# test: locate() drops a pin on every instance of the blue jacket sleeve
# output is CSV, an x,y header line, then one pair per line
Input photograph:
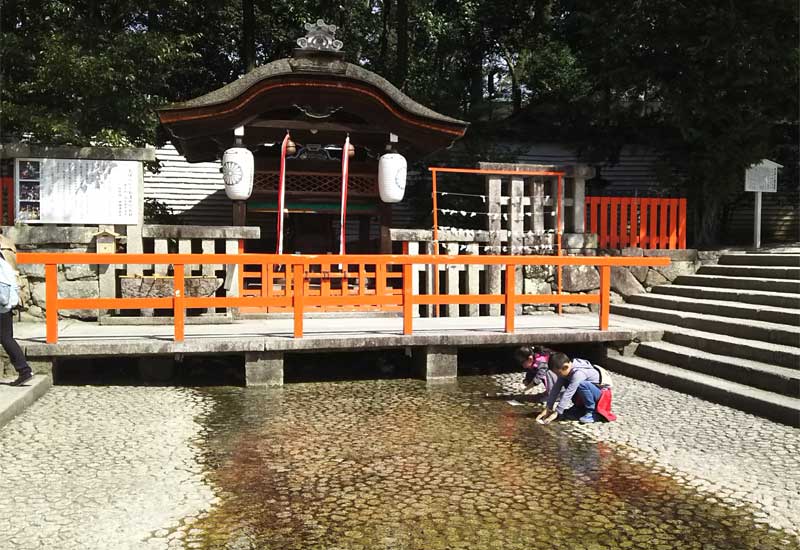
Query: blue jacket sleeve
x,y
574,381
554,391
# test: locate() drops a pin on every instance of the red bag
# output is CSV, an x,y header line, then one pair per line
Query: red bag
x,y
604,405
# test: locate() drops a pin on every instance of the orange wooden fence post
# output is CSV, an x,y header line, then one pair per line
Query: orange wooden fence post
x,y
51,298
297,299
605,295
682,224
510,295
614,228
408,298
654,243
624,235
643,213
179,310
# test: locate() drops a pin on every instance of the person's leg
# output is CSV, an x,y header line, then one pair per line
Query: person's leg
x,y
11,346
590,394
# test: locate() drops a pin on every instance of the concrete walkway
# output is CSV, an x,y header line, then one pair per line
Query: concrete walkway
x,y
15,399
78,338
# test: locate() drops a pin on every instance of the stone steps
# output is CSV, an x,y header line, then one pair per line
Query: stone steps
x,y
774,333
743,283
761,259
759,375
783,356
756,312
780,408
768,272
776,299
733,334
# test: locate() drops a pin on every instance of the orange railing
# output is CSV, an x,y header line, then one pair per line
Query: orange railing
x,y
651,223
297,273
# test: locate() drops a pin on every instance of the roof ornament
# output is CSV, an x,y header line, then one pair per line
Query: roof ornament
x,y
320,37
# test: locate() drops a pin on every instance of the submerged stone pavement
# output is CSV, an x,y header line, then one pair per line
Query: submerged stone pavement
x,y
390,464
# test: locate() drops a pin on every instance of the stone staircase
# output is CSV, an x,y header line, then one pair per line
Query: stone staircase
x,y
731,335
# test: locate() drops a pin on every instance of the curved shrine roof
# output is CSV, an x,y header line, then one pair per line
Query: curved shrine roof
x,y
319,98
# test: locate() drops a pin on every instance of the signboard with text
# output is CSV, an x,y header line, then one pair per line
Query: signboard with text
x,y
79,191
762,178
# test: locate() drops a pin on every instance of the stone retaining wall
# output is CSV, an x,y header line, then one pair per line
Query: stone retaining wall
x,y
87,281
625,281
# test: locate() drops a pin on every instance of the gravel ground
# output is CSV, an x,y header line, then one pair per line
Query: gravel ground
x,y
390,464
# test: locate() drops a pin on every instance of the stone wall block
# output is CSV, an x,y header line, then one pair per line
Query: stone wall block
x,y
573,240
591,240
677,268
31,270
654,278
78,272
38,293
624,283
540,272
163,287
536,286
681,255
632,251
639,271
579,278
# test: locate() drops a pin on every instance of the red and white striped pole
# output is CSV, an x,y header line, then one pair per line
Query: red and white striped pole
x,y
281,192
345,174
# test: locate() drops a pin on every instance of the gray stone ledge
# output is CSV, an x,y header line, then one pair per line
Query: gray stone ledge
x,y
200,232
27,150
220,345
44,234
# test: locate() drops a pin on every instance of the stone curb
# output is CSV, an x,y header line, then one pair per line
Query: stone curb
x,y
14,400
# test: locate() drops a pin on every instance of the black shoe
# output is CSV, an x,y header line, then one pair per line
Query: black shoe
x,y
22,378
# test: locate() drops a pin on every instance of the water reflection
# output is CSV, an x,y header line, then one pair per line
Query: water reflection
x,y
401,464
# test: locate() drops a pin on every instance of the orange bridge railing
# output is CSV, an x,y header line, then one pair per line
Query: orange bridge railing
x,y
651,223
389,282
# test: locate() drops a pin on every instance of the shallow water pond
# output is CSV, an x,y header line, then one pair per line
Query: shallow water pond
x,y
400,464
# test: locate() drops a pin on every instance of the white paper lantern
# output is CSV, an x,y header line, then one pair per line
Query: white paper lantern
x,y
392,177
237,173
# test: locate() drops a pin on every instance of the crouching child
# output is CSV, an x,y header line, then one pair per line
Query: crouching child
x,y
581,384
534,361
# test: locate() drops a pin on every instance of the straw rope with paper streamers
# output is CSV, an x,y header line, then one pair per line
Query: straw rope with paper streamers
x,y
345,174
282,192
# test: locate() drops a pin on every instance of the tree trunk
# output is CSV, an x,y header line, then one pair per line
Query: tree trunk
x,y
401,74
542,15
248,35
709,216
386,17
516,93
476,74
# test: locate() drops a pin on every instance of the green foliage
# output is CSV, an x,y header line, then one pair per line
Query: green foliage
x,y
157,212
713,85
86,72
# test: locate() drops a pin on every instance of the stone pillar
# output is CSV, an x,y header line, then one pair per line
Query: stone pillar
x,y
134,245
473,280
576,188
516,216
232,275
263,368
436,362
537,205
493,193
209,270
451,280
108,278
